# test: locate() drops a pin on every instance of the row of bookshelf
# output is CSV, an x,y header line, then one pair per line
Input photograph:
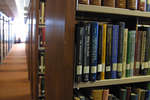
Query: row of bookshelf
x,y
142,5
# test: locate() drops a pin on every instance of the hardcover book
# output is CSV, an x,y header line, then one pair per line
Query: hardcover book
x,y
83,2
79,50
97,94
93,50
123,94
124,57
134,97
109,3
120,49
99,67
121,3
108,51
95,2
114,51
105,94
142,5
132,4
103,51
86,54
148,5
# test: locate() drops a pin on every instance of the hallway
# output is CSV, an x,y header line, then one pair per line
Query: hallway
x,y
14,83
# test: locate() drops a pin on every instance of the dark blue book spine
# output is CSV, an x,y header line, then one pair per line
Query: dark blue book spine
x,y
114,51
147,95
86,56
93,50
79,51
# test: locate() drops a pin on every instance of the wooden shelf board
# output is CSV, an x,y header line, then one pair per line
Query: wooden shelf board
x,y
110,10
135,79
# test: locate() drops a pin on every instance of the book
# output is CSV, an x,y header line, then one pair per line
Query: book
x,y
148,5
121,3
97,94
99,67
95,2
93,50
83,2
123,94
132,4
138,91
143,42
128,93
134,97
105,94
124,57
42,62
147,95
114,51
42,15
132,51
109,3
76,98
103,51
79,50
120,49
82,97
108,51
142,95
137,53
142,5
147,50
86,54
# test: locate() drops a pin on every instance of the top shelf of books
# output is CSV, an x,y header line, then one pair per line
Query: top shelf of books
x,y
111,10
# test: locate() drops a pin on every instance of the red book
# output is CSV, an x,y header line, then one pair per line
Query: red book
x,y
142,5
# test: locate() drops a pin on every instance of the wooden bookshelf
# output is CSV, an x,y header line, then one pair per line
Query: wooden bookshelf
x,y
110,10
135,79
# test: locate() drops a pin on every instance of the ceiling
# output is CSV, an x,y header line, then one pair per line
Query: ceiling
x,y
13,8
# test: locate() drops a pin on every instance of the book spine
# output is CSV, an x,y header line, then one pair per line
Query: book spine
x,y
120,49
142,5
114,50
147,95
137,53
83,2
105,94
121,3
42,12
128,55
108,52
124,57
132,4
103,51
97,94
142,95
93,50
143,69
147,52
133,34
148,6
109,3
99,67
95,2
134,97
123,94
79,51
86,50
128,93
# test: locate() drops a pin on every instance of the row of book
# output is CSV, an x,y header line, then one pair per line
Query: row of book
x,y
127,93
110,51
143,5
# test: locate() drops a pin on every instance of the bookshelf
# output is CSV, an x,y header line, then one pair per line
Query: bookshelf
x,y
108,82
60,23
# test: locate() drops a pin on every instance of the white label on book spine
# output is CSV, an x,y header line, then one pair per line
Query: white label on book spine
x,y
108,68
132,65
143,64
128,66
93,69
103,67
146,64
114,67
86,70
137,65
119,67
100,68
79,70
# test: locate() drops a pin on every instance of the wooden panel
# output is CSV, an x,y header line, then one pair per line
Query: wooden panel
x,y
135,79
59,49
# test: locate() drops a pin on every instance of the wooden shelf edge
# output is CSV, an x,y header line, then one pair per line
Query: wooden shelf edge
x,y
111,10
135,79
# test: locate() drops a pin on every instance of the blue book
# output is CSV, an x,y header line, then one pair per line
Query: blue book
x,y
93,50
147,95
114,51
148,6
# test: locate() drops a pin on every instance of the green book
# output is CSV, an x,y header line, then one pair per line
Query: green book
x,y
123,94
134,97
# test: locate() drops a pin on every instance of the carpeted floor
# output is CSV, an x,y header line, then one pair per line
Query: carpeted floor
x,y
14,83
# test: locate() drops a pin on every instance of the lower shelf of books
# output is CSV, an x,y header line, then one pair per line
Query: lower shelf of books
x,y
107,82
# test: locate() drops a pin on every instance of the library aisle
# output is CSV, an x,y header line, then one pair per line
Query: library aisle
x,y
14,83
